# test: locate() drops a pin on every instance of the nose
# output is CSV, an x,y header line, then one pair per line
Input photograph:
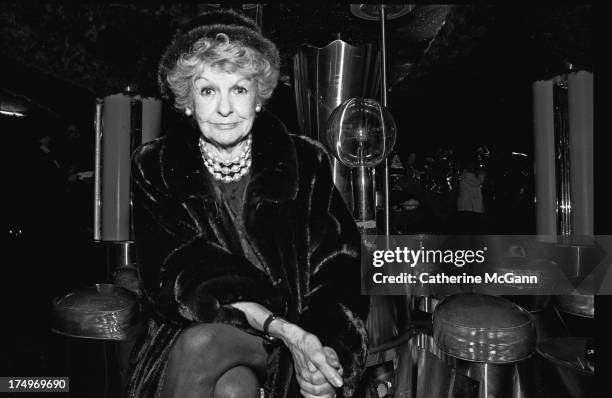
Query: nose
x,y
224,107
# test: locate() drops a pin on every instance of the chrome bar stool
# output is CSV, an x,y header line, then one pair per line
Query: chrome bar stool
x,y
488,339
103,321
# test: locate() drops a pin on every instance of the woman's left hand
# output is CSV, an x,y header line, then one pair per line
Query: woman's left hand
x,y
317,368
319,386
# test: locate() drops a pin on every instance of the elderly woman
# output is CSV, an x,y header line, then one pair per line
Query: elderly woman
x,y
247,255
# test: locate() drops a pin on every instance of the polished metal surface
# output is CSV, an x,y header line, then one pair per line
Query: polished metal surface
x,y
499,380
562,156
582,301
544,152
121,265
580,109
511,380
323,79
483,328
577,259
118,254
532,303
371,12
428,303
405,372
113,162
103,312
578,304
532,297
422,372
384,15
364,194
97,226
381,325
434,376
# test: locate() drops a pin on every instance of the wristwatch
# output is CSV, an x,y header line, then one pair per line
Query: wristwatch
x,y
266,326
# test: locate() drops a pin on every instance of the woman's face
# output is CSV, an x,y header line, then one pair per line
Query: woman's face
x,y
224,106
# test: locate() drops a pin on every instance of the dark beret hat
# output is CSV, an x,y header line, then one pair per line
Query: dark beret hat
x,y
236,26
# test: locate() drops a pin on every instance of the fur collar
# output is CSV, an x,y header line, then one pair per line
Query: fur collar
x,y
273,170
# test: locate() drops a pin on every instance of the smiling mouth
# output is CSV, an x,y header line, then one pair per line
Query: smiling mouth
x,y
226,126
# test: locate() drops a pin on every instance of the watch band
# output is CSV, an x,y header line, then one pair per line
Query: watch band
x,y
266,324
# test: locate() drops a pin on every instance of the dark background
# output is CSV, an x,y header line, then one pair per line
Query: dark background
x,y
458,75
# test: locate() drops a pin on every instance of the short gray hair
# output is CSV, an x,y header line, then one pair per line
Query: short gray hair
x,y
229,55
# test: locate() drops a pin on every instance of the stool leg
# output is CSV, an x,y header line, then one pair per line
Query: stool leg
x,y
405,386
112,369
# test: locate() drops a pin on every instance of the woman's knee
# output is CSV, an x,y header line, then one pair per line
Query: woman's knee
x,y
238,382
198,339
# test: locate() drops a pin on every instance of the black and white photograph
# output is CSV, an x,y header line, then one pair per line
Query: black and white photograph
x,y
317,200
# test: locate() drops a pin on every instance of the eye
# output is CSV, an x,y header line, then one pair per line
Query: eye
x,y
241,90
206,91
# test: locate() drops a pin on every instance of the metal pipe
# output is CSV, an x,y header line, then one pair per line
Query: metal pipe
x,y
98,171
562,159
383,52
364,211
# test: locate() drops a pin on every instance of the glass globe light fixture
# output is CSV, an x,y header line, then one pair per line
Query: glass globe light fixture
x,y
361,134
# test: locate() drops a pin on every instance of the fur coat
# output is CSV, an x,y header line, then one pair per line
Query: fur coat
x,y
191,265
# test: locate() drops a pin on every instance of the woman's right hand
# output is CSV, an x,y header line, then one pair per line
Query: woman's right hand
x,y
317,368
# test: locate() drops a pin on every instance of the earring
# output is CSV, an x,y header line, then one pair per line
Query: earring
x,y
188,112
258,108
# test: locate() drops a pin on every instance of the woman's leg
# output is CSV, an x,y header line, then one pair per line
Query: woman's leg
x,y
238,382
204,353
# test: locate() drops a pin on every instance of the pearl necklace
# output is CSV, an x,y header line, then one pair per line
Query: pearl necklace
x,y
227,170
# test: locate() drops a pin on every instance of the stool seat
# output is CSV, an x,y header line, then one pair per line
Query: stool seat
x,y
483,328
102,311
